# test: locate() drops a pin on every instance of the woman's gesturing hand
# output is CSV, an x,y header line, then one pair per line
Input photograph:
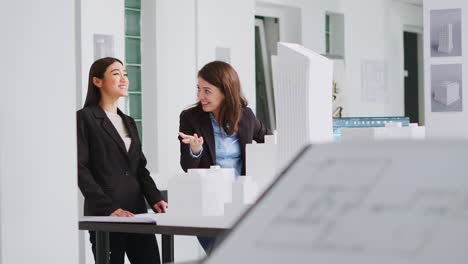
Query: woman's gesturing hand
x,y
194,141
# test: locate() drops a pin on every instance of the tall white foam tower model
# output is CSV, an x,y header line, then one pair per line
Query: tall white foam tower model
x,y
303,99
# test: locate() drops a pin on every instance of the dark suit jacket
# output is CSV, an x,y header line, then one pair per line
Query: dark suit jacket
x,y
108,176
195,120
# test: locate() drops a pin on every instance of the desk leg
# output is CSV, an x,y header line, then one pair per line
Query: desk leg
x,y
102,247
167,248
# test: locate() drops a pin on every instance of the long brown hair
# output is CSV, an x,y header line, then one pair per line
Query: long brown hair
x,y
98,68
223,76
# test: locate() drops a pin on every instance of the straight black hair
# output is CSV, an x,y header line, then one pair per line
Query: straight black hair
x,y
98,68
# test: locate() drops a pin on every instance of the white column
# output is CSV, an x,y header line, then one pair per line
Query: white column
x,y
38,177
169,86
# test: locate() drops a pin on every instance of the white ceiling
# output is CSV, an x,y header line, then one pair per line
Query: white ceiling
x,y
413,2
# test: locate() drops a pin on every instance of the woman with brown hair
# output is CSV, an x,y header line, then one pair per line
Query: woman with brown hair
x,y
216,130
112,172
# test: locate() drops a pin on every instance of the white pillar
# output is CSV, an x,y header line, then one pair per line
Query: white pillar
x,y
38,177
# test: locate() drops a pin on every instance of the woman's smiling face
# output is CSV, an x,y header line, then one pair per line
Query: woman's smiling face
x,y
210,96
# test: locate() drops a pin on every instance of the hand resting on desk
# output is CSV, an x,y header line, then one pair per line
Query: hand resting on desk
x,y
122,213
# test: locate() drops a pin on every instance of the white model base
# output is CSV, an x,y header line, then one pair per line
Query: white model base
x,y
413,131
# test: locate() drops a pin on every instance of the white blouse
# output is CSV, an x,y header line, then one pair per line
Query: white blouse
x,y
120,127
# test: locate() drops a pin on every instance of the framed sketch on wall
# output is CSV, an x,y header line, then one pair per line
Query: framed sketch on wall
x,y
446,88
446,37
103,46
374,81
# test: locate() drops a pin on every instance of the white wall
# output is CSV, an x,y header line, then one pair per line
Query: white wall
x,y
312,20
229,24
100,17
364,40
373,32
174,71
38,201
445,124
289,17
175,79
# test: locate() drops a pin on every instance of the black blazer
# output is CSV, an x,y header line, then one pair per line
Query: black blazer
x,y
108,176
195,120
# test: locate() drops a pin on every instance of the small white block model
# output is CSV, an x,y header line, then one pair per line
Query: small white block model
x,y
244,193
391,131
393,124
446,39
261,162
447,92
417,132
244,190
201,192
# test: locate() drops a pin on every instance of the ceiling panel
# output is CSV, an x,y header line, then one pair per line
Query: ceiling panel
x,y
412,2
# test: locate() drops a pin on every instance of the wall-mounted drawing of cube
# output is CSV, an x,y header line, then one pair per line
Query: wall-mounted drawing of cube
x,y
446,39
447,92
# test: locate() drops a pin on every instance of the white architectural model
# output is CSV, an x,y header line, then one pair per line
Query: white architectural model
x,y
446,39
392,130
447,92
261,162
201,192
244,193
208,197
303,96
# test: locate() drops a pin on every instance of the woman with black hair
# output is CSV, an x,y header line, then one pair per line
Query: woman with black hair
x,y
112,172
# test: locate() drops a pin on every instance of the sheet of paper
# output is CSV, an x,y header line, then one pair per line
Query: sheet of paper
x,y
138,218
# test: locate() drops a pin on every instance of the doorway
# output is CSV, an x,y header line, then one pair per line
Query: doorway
x,y
413,70
266,39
